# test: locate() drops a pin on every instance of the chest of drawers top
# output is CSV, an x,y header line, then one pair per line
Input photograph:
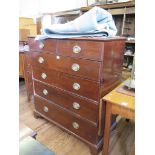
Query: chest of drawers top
x,y
86,48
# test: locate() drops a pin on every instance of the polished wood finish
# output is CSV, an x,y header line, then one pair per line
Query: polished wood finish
x,y
66,82
88,110
49,46
99,70
88,69
60,142
64,119
123,14
116,103
124,112
107,129
112,62
89,50
120,99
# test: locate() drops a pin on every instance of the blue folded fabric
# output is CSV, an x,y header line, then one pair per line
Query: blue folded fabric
x,y
97,22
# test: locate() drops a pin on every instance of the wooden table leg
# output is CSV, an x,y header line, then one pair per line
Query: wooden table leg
x,y
107,129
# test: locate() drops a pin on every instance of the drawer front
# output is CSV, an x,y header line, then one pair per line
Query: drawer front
x,y
79,67
86,88
81,107
48,45
82,49
65,119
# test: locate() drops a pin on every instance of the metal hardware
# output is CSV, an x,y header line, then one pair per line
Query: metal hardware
x,y
41,60
45,109
41,45
76,86
76,105
76,49
75,67
57,57
45,92
75,125
43,75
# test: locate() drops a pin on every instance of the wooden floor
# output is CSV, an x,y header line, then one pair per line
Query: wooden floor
x,y
122,138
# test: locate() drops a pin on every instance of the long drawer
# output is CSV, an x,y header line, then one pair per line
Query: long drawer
x,y
65,119
79,67
81,107
81,49
83,87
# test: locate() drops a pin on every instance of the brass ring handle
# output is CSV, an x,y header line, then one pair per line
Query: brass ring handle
x,y
57,57
75,125
41,45
41,60
76,105
45,109
76,49
43,75
45,92
75,67
76,86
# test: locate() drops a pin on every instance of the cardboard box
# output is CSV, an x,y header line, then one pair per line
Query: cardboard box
x,y
28,23
23,34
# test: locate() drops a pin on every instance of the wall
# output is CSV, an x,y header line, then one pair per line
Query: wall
x,y
33,8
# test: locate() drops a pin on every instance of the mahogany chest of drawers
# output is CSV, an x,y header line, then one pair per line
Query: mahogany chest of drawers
x,y
70,77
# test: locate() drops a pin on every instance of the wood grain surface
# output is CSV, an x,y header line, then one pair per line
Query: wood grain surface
x,y
121,141
66,81
87,110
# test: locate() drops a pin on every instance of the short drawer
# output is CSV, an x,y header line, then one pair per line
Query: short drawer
x,y
82,49
83,87
48,45
79,67
84,108
65,119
